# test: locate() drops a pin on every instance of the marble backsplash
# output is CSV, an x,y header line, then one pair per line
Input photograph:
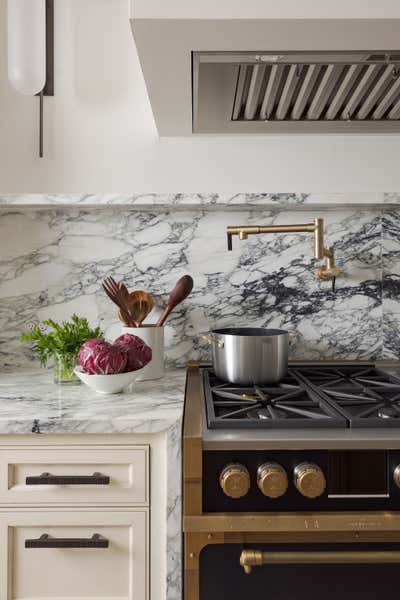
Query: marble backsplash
x,y
52,262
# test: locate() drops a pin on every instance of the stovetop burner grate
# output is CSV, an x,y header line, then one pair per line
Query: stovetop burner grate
x,y
366,397
308,397
287,404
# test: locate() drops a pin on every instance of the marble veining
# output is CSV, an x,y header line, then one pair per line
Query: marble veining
x,y
200,200
30,400
391,282
31,404
52,263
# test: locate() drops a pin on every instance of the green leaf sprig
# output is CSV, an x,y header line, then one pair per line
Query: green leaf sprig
x,y
65,338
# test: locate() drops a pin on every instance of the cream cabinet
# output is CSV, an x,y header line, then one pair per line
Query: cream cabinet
x,y
75,520
75,475
74,555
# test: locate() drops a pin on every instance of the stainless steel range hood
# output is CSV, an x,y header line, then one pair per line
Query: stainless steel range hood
x,y
306,76
288,92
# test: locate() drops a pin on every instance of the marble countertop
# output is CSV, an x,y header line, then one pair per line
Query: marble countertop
x,y
31,403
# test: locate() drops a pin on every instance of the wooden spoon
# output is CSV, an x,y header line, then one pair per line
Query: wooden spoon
x,y
140,305
181,291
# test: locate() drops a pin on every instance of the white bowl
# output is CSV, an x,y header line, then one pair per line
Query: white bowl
x,y
107,384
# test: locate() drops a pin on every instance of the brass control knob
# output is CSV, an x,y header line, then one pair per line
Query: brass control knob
x,y
309,480
272,479
396,476
234,480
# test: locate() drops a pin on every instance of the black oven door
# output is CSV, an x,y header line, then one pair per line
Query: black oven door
x,y
299,572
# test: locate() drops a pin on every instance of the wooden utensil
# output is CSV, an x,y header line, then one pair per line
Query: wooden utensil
x,y
140,306
111,288
127,322
124,292
181,291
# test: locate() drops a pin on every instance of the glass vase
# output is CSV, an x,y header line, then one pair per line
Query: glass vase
x,y
64,365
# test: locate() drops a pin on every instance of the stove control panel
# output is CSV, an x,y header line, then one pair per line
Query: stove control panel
x,y
300,480
309,480
272,479
234,480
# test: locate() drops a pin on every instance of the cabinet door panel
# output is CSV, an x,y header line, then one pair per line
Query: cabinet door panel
x,y
115,570
76,475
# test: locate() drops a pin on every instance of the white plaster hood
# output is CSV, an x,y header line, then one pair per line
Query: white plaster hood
x,y
259,68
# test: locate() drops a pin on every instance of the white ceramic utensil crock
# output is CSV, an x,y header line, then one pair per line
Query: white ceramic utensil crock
x,y
154,337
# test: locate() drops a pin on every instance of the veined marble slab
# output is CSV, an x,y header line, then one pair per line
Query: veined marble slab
x,y
29,400
52,263
201,200
31,403
391,282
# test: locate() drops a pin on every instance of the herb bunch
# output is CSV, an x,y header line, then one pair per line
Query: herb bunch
x,y
65,338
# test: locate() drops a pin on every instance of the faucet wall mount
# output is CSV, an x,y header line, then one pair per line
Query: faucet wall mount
x,y
327,272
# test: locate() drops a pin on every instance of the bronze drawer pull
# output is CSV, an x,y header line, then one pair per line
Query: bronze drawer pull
x,y
47,541
48,479
257,558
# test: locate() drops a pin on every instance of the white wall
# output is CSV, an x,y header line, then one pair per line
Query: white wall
x,y
268,9
101,137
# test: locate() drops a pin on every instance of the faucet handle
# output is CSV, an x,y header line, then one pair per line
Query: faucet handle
x,y
329,270
327,274
229,240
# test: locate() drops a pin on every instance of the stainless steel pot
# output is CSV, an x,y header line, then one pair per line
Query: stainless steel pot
x,y
249,355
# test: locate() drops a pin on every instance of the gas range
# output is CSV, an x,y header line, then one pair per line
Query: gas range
x,y
292,478
309,396
326,437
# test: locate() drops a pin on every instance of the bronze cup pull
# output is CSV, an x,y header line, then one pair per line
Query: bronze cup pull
x,y
257,558
47,541
49,479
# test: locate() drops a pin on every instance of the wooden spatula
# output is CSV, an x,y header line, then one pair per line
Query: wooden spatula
x,y
181,291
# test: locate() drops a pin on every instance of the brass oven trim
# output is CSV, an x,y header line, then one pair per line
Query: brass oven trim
x,y
195,542
295,523
192,465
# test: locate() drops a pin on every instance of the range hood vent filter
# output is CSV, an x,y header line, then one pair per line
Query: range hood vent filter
x,y
317,92
310,92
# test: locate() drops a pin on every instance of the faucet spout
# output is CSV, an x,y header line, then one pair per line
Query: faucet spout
x,y
327,272
319,238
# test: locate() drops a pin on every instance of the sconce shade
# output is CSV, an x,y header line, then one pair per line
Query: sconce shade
x,y
26,20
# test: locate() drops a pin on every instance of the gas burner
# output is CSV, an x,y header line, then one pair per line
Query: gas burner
x,y
388,412
287,404
320,396
365,396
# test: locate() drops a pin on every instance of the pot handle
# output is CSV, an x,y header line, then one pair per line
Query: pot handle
x,y
210,338
294,334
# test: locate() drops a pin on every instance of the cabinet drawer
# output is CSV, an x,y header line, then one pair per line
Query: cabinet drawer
x,y
74,475
46,555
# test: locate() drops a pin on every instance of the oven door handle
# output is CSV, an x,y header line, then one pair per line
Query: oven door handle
x,y
257,558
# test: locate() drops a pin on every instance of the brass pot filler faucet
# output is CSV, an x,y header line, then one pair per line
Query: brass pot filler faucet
x,y
327,272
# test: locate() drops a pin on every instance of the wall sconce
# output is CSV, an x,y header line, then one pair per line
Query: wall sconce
x,y
30,32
